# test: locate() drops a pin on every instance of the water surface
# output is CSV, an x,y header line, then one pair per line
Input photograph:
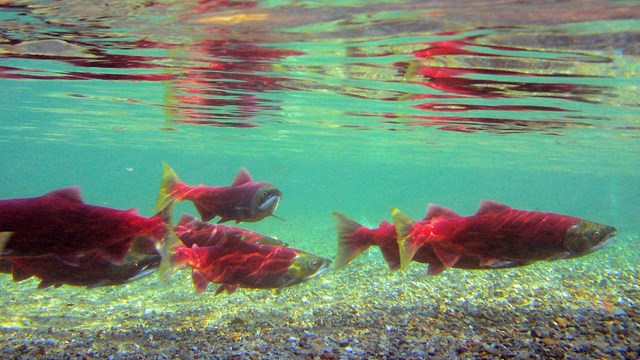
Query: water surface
x,y
355,107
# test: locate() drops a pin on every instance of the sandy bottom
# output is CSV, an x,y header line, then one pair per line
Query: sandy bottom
x,y
581,308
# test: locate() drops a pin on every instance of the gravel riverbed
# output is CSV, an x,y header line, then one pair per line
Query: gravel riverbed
x,y
578,309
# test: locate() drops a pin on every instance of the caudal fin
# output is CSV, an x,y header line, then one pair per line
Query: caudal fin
x,y
349,246
406,243
166,196
167,249
170,241
174,255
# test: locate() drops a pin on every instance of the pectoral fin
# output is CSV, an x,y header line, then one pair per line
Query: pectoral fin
x,y
5,236
491,262
19,273
560,256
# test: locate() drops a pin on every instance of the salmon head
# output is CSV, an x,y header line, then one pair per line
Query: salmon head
x,y
586,237
306,266
264,203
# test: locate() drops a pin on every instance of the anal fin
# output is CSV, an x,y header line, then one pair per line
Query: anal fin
x,y
448,258
199,281
435,268
230,288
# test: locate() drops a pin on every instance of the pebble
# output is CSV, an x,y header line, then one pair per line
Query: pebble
x,y
619,312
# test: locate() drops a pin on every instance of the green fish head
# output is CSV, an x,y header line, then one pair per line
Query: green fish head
x,y
306,266
265,201
586,237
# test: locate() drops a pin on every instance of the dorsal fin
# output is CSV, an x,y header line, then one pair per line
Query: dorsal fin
x,y
489,206
437,211
133,211
71,193
185,219
243,177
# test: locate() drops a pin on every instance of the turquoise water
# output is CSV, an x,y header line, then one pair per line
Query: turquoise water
x,y
355,107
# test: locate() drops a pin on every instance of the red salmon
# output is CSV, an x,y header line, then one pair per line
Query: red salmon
x,y
353,238
61,224
193,231
245,200
235,263
498,233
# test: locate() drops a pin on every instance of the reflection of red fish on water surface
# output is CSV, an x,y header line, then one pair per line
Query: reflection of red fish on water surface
x,y
354,238
235,263
223,86
498,233
89,270
61,224
245,200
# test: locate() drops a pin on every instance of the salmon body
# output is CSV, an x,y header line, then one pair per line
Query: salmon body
x,y
60,223
90,270
195,232
498,233
233,262
353,238
245,200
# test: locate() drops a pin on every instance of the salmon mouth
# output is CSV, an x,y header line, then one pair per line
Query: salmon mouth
x,y
604,242
321,270
270,204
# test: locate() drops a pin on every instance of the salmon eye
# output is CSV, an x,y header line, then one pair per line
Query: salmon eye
x,y
314,264
596,234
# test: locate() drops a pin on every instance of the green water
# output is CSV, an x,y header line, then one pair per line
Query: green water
x,y
350,107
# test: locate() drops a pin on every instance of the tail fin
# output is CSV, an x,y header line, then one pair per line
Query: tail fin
x,y
170,242
349,246
166,195
168,264
167,250
407,246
